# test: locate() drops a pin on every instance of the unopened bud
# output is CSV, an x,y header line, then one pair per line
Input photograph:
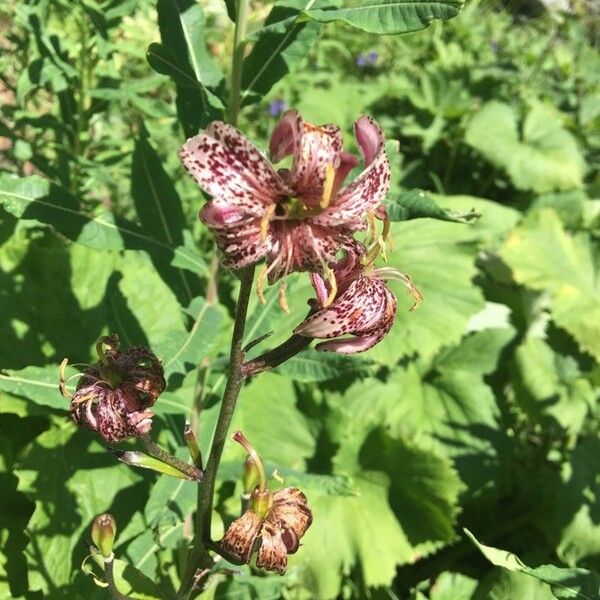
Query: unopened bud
x,y
251,476
104,530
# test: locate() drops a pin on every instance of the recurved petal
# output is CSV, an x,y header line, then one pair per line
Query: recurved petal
x,y
290,510
240,536
367,339
112,419
316,150
228,167
272,554
367,192
361,307
240,240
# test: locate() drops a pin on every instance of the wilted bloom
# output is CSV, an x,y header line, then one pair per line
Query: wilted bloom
x,y
114,395
363,305
296,218
277,107
273,523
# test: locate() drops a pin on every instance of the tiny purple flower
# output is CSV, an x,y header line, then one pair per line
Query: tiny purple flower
x,y
361,61
372,57
277,107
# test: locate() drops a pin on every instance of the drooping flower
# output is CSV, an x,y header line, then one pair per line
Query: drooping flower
x,y
296,218
114,395
363,305
273,523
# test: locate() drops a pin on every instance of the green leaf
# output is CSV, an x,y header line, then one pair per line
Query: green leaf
x,y
543,256
553,388
453,586
508,585
565,583
34,198
39,384
545,158
311,365
439,257
275,53
183,351
387,523
389,16
135,584
417,204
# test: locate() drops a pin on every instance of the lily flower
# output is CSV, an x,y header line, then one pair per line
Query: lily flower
x,y
362,306
114,395
273,523
296,218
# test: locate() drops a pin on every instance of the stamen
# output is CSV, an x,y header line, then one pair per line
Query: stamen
x,y
266,219
333,285
390,273
282,297
239,437
62,380
372,229
327,186
276,476
260,283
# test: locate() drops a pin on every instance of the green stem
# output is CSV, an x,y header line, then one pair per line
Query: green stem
x,y
109,577
198,557
239,45
157,452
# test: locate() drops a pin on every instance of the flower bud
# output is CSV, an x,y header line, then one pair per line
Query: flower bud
x,y
104,530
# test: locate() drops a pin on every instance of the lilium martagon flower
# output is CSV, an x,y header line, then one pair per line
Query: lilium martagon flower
x,y
361,305
114,396
272,524
296,219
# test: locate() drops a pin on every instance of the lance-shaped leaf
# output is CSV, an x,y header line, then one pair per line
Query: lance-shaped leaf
x,y
36,199
139,459
417,204
389,16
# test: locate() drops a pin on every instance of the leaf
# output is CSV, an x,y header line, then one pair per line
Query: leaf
x,y
417,204
311,365
72,480
275,53
183,351
34,198
500,584
387,523
546,158
543,256
553,388
565,583
135,584
389,16
453,586
439,257
39,384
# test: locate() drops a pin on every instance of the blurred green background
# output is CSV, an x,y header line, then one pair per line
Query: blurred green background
x,y
478,410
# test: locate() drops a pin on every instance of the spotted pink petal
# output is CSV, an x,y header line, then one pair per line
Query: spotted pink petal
x,y
238,236
351,345
313,147
361,307
367,192
233,171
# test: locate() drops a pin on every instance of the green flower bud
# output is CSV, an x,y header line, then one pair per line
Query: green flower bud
x,y
104,530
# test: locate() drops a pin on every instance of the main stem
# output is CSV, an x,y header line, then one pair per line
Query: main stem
x,y
199,557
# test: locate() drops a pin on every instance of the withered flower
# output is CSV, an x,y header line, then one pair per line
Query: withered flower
x,y
273,523
114,395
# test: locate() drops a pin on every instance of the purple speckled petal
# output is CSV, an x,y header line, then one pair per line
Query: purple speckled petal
x,y
229,168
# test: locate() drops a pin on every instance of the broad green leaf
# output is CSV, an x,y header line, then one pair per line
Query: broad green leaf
x,y
34,198
389,16
39,384
568,517
417,204
311,365
274,54
509,585
72,480
387,522
553,387
439,257
182,351
564,582
543,256
135,584
452,586
544,158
